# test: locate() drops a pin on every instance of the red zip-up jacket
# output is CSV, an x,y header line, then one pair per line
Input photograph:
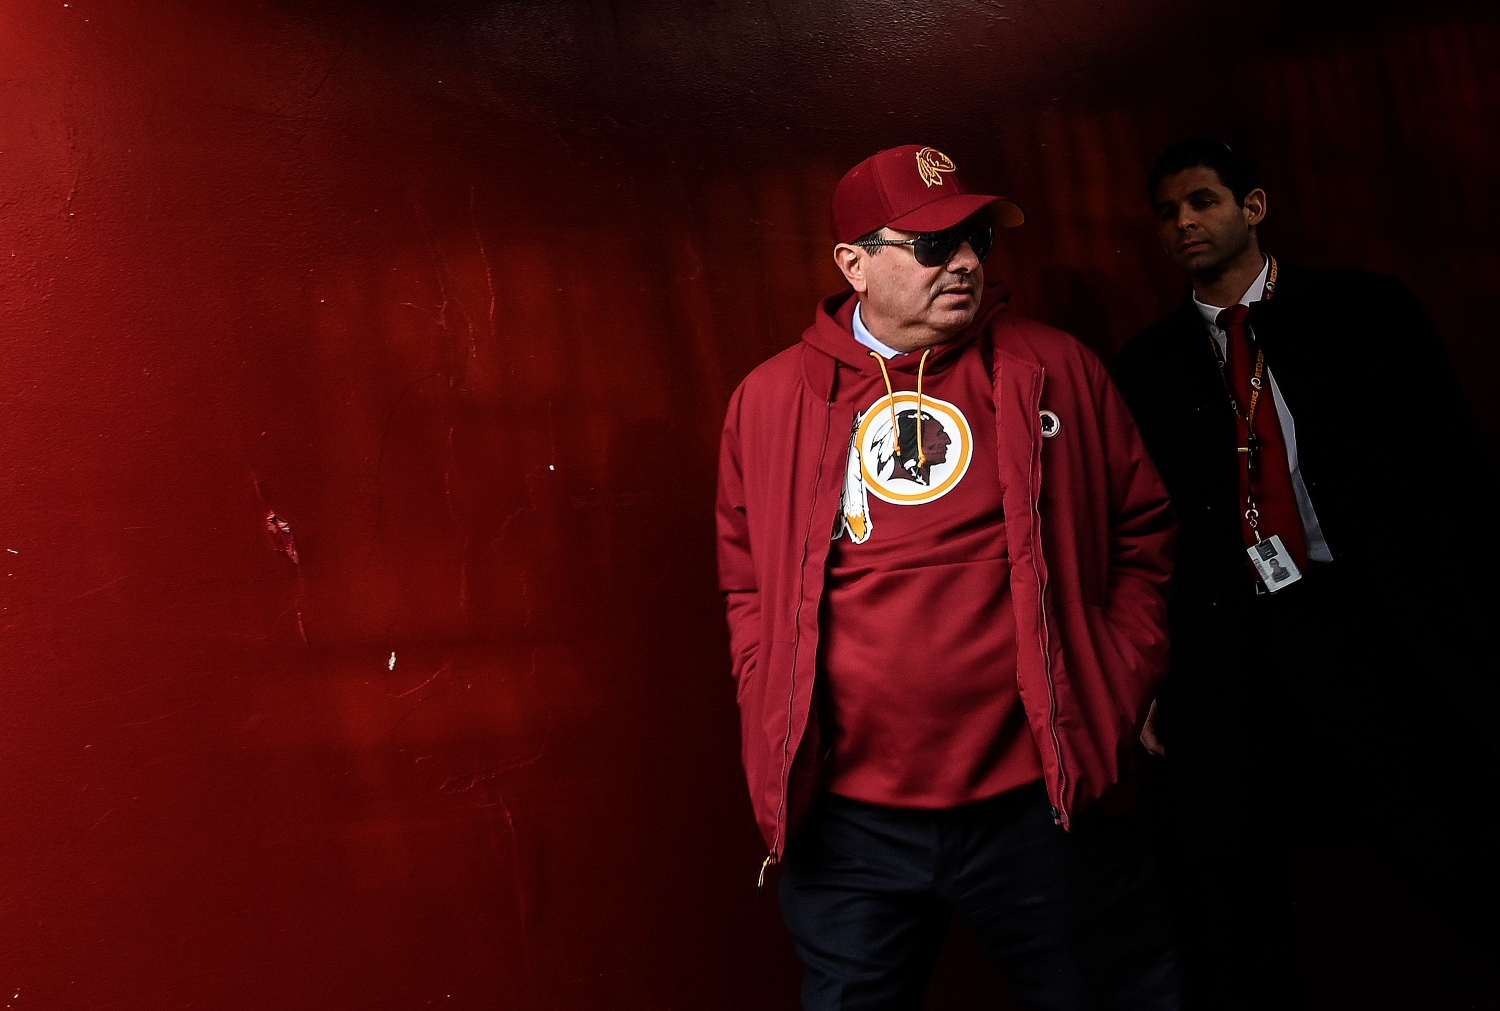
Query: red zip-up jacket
x,y
1088,527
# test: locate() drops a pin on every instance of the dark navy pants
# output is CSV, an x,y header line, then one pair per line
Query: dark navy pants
x,y
1073,919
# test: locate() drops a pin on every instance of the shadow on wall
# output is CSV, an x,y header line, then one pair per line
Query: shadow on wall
x,y
1075,301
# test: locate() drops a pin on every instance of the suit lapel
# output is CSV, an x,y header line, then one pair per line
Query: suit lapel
x,y
1288,327
1193,348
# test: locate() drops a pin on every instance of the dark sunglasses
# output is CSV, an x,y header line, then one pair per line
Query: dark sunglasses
x,y
935,249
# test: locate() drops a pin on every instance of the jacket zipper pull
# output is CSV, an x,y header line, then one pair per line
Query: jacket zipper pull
x,y
760,882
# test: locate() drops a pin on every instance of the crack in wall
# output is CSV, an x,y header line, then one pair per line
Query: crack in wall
x,y
489,274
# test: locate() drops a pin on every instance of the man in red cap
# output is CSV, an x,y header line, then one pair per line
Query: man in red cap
x,y
943,551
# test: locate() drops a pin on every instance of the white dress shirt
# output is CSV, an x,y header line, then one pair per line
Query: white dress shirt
x,y
1312,532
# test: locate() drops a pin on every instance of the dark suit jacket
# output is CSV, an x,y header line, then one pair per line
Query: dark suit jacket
x,y
1395,468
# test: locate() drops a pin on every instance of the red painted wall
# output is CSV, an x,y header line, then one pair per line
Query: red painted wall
x,y
362,374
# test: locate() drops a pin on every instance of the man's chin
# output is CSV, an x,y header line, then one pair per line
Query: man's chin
x,y
1208,265
952,322
1199,263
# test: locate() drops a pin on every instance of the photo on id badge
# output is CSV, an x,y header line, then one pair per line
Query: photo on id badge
x,y
1272,563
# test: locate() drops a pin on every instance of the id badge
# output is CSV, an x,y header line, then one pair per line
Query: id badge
x,y
1272,563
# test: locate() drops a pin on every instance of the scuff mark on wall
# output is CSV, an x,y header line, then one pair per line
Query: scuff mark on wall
x,y
435,255
281,533
158,719
284,540
435,674
489,273
469,781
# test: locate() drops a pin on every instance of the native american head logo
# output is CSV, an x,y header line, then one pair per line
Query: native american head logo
x,y
931,460
898,456
932,163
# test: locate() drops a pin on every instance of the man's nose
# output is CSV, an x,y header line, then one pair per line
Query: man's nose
x,y
963,260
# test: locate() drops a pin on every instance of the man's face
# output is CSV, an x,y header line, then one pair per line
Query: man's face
x,y
908,297
935,441
1201,226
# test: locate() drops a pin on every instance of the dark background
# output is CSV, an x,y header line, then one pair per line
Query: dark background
x,y
457,293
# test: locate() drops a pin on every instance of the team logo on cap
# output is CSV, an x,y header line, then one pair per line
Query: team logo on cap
x,y
888,459
932,163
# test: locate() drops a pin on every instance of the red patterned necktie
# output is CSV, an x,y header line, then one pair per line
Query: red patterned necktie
x,y
1266,472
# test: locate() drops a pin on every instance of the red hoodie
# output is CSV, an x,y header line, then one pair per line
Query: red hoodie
x,y
1088,533
918,666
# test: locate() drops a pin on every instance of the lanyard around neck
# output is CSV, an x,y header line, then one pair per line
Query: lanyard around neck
x,y
1257,378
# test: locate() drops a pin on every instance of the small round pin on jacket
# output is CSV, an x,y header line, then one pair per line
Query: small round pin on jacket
x,y
1051,424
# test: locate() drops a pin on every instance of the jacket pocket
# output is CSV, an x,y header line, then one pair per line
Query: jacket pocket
x,y
1122,668
745,673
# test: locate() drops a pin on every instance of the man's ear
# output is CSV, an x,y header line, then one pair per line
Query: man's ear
x,y
851,263
1255,207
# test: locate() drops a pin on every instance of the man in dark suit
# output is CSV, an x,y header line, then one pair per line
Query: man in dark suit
x,y
1333,676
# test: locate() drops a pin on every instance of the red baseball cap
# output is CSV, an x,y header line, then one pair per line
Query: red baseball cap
x,y
913,188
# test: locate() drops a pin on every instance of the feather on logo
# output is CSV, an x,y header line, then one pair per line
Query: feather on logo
x,y
932,163
854,507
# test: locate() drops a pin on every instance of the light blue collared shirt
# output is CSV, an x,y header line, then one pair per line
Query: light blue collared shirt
x,y
864,336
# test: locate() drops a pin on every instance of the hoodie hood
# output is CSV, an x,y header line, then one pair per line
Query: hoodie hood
x,y
832,333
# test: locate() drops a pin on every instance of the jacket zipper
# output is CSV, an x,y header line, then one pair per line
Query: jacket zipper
x,y
1059,813
791,704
